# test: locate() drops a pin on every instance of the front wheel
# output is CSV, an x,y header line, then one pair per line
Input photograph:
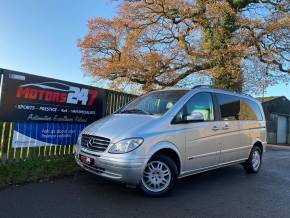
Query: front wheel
x,y
253,164
159,176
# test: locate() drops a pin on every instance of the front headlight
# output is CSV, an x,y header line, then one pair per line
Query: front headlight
x,y
126,145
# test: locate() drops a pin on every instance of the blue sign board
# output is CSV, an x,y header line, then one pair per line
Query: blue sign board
x,y
45,134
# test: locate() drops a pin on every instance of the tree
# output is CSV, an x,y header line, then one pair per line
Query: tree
x,y
159,43
259,77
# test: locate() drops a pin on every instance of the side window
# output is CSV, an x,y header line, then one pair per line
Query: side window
x,y
235,108
202,103
229,106
250,110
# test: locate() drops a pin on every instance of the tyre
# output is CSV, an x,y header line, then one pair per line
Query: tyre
x,y
253,164
159,177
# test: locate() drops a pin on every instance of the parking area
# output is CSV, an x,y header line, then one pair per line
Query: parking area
x,y
227,192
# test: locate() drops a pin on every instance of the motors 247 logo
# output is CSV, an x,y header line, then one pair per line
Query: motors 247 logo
x,y
55,92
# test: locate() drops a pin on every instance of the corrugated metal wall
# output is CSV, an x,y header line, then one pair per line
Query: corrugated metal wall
x,y
274,108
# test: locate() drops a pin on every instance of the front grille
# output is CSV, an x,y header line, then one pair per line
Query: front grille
x,y
95,143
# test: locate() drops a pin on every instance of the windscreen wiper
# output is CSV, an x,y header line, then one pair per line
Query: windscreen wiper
x,y
135,111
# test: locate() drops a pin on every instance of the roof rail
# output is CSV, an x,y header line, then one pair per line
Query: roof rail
x,y
201,86
209,86
246,94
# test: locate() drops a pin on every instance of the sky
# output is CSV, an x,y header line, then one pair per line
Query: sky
x,y
40,37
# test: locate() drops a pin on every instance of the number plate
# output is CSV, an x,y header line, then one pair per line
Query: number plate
x,y
87,160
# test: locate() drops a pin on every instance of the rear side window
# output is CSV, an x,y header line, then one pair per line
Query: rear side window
x,y
236,108
250,110
229,107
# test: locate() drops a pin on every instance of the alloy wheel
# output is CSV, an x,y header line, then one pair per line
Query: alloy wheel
x,y
156,176
256,160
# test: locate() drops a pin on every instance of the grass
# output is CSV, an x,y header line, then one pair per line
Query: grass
x,y
22,171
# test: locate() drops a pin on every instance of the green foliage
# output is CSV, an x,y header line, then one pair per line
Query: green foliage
x,y
17,172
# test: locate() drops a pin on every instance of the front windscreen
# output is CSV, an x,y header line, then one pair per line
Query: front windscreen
x,y
155,103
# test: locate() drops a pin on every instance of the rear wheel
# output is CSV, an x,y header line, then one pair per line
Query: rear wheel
x,y
159,176
253,164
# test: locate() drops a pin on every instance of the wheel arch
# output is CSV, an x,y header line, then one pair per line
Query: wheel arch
x,y
259,144
169,150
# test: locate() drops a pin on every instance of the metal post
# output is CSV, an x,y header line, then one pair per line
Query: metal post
x,y
1,85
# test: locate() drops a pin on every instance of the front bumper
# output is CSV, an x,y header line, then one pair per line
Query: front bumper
x,y
123,170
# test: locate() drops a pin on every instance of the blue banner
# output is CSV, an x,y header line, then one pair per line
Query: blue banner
x,y
45,134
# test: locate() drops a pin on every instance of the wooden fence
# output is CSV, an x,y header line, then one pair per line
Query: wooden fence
x,y
115,100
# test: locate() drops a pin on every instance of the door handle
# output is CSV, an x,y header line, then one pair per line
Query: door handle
x,y
215,128
226,126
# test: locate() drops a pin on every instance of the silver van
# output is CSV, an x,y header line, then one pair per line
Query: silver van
x,y
165,135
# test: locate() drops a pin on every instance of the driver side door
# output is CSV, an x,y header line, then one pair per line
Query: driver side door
x,y
202,137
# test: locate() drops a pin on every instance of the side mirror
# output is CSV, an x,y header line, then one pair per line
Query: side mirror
x,y
195,116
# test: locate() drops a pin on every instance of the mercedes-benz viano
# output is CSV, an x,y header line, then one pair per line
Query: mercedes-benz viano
x,y
165,135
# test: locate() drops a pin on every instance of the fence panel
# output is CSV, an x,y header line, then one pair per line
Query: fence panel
x,y
115,100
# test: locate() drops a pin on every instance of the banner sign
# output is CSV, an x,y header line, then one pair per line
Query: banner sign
x,y
45,134
30,98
